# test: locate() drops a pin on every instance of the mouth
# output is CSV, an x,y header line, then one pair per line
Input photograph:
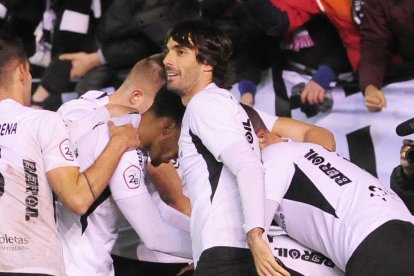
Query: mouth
x,y
171,73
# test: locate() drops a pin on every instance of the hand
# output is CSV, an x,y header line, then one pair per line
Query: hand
x,y
117,110
313,93
82,63
247,98
185,269
407,167
126,136
263,258
374,99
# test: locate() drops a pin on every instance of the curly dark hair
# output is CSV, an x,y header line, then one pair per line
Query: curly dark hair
x,y
212,47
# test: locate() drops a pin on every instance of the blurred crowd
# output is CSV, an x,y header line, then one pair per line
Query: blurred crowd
x,y
81,45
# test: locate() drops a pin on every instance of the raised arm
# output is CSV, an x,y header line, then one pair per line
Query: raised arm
x,y
79,190
304,132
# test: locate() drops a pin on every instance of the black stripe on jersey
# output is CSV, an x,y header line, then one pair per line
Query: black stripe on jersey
x,y
303,190
361,149
213,166
103,95
84,219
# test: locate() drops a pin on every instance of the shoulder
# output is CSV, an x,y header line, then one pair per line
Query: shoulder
x,y
211,98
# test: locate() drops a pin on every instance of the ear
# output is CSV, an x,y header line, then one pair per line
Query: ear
x,y
261,134
136,96
169,127
207,67
21,71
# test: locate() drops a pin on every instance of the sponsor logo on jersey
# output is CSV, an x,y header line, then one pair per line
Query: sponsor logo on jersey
x,y
305,255
132,177
381,193
32,189
13,243
327,168
248,134
8,129
66,150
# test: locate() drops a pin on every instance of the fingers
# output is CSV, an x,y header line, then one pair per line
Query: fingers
x,y
247,99
278,268
126,135
68,56
374,99
313,93
272,268
375,104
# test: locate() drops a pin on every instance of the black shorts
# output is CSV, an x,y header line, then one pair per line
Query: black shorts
x,y
125,267
229,261
388,250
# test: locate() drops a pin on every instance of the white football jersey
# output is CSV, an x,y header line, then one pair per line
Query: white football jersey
x,y
88,239
213,120
298,257
326,202
32,142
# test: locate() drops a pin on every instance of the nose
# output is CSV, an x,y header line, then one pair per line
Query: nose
x,y
167,59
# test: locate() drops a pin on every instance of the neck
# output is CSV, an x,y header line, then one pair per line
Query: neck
x,y
270,139
6,94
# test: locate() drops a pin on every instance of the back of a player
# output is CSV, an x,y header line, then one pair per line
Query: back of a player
x,y
32,142
329,204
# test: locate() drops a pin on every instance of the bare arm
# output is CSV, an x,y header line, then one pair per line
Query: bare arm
x,y
304,132
72,187
168,184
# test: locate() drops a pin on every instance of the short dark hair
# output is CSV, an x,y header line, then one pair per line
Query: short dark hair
x,y
167,104
11,49
212,47
255,118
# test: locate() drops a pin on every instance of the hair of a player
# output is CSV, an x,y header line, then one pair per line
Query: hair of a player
x,y
149,70
255,118
11,49
212,47
169,105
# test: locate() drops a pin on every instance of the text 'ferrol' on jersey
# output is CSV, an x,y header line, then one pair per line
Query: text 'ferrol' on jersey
x,y
248,127
327,168
32,189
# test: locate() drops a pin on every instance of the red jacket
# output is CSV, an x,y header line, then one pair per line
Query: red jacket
x,y
338,12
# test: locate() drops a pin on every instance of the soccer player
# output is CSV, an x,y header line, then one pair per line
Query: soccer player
x,y
35,160
329,204
88,240
219,155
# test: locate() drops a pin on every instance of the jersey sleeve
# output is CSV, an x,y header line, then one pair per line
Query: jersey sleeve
x,y
55,143
213,120
128,178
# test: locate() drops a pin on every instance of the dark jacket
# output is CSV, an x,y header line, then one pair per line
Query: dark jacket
x,y
403,187
132,30
387,28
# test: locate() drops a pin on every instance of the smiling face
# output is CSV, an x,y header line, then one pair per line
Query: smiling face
x,y
185,75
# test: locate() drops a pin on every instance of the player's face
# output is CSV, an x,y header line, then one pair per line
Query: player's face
x,y
165,149
184,73
159,136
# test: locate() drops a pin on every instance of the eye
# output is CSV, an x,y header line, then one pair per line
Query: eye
x,y
181,52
